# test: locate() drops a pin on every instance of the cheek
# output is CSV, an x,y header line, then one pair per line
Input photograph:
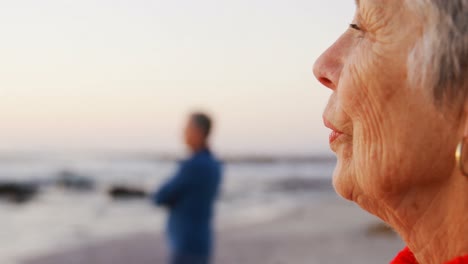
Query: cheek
x,y
398,138
372,96
399,141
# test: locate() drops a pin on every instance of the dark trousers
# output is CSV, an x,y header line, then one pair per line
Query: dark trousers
x,y
188,259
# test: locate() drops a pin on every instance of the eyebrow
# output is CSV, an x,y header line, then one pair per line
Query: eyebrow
x,y
358,2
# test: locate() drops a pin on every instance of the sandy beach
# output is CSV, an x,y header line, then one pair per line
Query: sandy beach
x,y
330,232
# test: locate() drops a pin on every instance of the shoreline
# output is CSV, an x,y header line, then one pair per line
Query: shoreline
x,y
329,232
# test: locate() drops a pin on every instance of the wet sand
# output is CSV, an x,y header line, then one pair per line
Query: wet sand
x,y
334,232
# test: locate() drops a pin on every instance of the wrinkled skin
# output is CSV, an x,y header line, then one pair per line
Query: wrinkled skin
x,y
397,146
395,137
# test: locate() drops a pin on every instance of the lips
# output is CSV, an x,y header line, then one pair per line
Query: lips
x,y
335,134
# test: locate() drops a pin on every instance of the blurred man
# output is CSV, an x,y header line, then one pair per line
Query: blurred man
x,y
190,196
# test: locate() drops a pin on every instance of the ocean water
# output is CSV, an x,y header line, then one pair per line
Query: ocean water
x,y
60,218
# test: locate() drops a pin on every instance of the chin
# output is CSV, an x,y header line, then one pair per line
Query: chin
x,y
344,177
346,184
344,181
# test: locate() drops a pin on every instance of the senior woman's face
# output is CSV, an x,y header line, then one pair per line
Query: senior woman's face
x,y
388,134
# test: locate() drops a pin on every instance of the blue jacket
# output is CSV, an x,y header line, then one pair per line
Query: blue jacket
x,y
190,196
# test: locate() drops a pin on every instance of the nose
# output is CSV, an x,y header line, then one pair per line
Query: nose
x,y
327,68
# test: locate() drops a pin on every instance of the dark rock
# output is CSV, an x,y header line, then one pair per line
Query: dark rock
x,y
17,192
124,192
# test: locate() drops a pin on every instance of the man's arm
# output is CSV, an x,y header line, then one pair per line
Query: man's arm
x,y
176,187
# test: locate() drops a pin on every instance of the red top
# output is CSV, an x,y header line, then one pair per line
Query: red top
x,y
407,257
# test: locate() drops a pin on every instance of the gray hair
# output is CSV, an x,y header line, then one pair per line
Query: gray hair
x,y
440,59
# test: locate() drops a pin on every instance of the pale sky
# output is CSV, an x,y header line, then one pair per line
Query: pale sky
x,y
123,74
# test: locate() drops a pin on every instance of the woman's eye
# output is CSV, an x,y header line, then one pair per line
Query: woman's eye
x,y
354,26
